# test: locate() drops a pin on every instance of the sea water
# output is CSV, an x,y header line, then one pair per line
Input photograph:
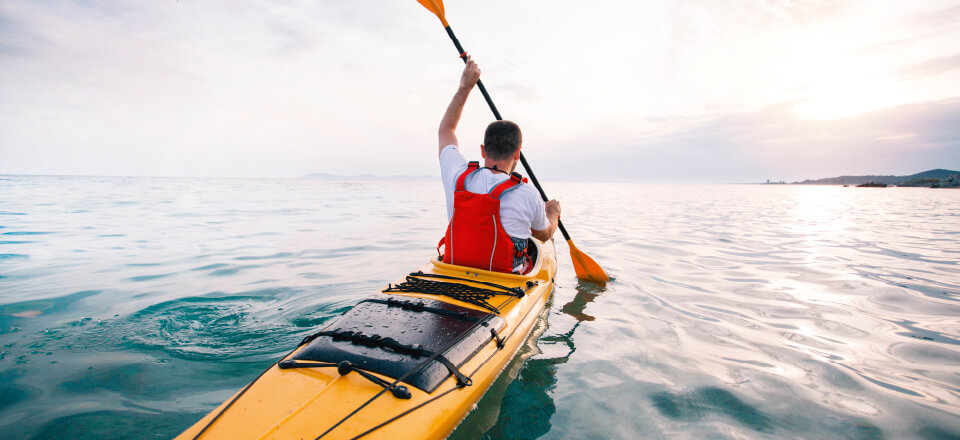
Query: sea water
x,y
131,307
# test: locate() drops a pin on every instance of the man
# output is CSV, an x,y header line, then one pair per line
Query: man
x,y
492,212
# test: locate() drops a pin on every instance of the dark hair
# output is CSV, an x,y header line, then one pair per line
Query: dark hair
x,y
501,139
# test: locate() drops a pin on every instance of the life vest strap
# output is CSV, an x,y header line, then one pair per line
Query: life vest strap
x,y
507,185
472,167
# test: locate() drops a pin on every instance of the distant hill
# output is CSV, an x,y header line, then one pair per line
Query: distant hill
x,y
327,176
926,178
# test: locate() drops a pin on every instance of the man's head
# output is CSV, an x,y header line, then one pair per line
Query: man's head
x,y
501,140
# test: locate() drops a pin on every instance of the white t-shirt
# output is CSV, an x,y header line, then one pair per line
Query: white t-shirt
x,y
521,209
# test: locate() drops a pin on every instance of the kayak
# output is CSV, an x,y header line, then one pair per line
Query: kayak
x,y
409,362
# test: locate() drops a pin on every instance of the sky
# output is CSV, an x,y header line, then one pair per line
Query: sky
x,y
649,91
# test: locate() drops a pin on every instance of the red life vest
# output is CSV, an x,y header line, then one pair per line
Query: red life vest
x,y
475,236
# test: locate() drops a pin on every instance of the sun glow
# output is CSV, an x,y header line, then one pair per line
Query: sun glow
x,y
845,98
832,80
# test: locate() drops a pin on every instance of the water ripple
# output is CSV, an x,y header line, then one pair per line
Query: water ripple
x,y
768,311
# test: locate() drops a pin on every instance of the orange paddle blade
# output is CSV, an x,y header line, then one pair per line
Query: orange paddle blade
x,y
586,268
435,6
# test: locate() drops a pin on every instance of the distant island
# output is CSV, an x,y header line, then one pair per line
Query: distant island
x,y
938,178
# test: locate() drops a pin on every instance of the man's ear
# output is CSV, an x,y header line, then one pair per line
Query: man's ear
x,y
516,154
483,153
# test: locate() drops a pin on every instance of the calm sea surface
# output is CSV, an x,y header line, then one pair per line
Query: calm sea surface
x,y
130,307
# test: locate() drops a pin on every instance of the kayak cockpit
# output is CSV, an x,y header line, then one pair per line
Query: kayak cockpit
x,y
542,254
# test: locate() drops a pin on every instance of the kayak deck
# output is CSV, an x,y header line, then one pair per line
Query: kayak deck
x,y
444,350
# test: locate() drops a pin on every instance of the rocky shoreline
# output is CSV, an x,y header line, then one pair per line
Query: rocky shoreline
x,y
938,178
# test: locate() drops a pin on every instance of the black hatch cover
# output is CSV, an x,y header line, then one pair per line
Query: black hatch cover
x,y
433,325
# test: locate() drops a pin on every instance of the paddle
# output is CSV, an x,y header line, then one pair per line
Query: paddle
x,y
583,265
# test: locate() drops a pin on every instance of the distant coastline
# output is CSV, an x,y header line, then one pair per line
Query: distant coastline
x,y
938,178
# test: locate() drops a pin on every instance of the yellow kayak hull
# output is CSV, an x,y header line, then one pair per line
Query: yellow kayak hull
x,y
310,403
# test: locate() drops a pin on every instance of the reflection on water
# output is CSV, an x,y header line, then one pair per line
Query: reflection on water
x,y
701,402
586,293
738,311
526,406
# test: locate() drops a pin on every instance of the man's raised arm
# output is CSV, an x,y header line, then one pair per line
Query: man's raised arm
x,y
448,126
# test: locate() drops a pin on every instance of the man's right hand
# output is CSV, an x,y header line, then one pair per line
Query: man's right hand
x,y
471,74
552,209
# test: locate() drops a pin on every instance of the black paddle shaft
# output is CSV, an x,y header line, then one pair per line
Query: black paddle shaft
x,y
496,114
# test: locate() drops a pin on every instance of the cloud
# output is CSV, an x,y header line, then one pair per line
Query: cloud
x,y
916,28
16,37
773,143
13,50
794,12
939,20
932,67
289,87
